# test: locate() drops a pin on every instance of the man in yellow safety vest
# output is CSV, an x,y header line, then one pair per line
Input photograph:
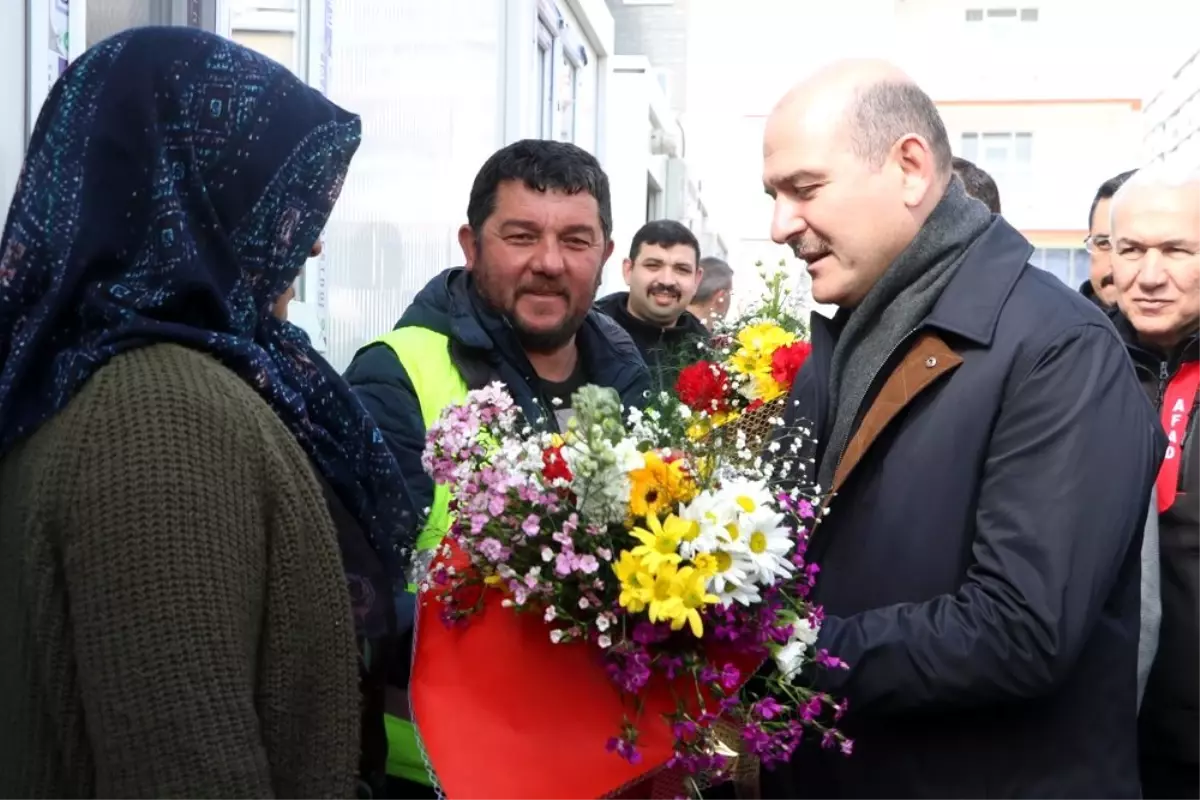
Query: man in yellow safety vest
x,y
538,232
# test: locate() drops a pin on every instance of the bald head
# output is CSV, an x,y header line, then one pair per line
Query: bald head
x,y
872,104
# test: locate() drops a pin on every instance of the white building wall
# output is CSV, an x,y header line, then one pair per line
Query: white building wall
x,y
650,175
440,87
1050,49
13,89
1100,57
1172,119
629,127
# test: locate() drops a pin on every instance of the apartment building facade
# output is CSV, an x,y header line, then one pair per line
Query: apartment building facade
x,y
1046,96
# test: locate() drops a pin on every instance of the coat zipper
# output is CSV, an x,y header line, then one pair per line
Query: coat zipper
x,y
1164,381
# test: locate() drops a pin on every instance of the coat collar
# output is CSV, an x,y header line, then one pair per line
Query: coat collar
x,y
971,304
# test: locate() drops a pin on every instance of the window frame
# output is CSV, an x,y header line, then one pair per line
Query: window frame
x,y
987,16
566,50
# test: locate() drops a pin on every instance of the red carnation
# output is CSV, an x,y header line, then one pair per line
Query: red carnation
x,y
787,361
554,466
704,386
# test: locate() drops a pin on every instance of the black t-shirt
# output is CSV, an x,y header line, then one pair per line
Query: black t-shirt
x,y
558,393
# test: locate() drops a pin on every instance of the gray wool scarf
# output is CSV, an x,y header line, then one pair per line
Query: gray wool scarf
x,y
893,309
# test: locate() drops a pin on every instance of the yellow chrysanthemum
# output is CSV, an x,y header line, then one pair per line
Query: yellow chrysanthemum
x,y
678,596
660,544
659,486
637,584
707,564
665,603
753,358
693,597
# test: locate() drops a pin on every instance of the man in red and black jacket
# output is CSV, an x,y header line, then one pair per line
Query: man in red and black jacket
x,y
1156,272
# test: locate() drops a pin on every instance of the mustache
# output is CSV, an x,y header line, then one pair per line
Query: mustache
x,y
805,249
1107,280
655,288
541,287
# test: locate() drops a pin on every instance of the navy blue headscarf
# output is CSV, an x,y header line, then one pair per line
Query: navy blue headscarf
x,y
173,188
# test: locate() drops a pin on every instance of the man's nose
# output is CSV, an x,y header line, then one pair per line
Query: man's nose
x,y
786,221
1152,273
548,257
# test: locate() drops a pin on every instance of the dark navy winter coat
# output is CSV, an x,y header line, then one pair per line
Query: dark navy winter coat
x,y
980,560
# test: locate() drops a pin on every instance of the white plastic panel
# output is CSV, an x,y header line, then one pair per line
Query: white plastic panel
x,y
14,96
423,76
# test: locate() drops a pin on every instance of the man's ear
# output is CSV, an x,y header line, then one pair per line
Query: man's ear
x,y
626,269
470,246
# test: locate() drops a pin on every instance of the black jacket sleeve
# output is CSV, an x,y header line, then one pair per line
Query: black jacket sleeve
x,y
385,390
1062,500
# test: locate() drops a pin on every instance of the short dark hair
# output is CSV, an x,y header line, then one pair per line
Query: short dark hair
x,y
883,112
1106,192
979,184
541,165
718,275
664,233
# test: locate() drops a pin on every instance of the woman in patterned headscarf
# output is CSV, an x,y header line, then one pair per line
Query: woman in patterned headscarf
x,y
181,616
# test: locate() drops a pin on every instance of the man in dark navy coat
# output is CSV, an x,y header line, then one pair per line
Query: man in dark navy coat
x,y
989,457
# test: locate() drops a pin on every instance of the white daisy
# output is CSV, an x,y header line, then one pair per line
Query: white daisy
x,y
767,542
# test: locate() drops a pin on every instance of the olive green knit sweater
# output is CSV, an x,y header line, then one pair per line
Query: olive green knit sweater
x,y
174,621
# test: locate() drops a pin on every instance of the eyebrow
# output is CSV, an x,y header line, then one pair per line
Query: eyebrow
x,y
529,225
657,260
1191,244
800,176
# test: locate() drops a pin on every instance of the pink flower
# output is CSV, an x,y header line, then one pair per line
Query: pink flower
x,y
532,525
564,565
587,564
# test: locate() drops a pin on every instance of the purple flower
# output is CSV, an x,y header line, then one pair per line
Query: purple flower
x,y
587,564
648,633
684,729
493,551
625,749
671,665
628,668
768,708
731,676
532,525
805,510
496,504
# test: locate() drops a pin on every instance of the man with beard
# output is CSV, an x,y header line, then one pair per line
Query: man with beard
x,y
539,225
986,456
662,273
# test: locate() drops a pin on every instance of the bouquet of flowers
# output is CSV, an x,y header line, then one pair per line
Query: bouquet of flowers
x,y
592,622
751,365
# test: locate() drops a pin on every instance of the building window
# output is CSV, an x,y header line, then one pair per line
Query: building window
x,y
545,66
1069,264
566,93
654,200
1001,15
1007,157
270,27
561,61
